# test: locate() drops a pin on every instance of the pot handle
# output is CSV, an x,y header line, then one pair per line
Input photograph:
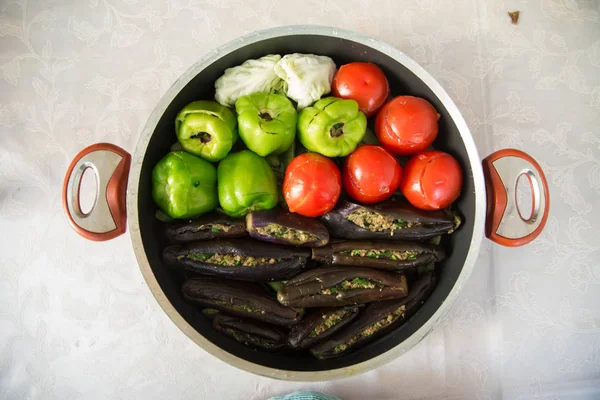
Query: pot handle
x,y
504,223
108,218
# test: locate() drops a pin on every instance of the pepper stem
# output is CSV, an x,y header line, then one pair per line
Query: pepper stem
x,y
337,130
204,137
265,115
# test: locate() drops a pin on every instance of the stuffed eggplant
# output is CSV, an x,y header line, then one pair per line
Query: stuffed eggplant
x,y
319,324
392,219
283,227
391,255
241,259
376,320
206,227
257,335
340,286
243,299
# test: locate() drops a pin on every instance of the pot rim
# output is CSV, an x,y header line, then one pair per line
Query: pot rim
x,y
169,309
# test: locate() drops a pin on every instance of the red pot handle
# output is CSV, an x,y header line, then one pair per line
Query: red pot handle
x,y
108,217
504,223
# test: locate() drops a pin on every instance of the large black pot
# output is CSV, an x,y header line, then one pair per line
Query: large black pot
x,y
111,165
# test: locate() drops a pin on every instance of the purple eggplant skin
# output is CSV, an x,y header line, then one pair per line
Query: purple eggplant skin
x,y
243,299
339,253
289,221
258,335
206,227
303,335
360,331
424,224
305,290
286,262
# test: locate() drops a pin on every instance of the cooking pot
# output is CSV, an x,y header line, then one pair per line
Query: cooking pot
x,y
488,200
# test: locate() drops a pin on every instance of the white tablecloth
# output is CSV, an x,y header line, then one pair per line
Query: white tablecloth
x,y
76,319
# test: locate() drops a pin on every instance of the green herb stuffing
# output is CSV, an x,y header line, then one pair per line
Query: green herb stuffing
x,y
238,307
197,257
383,254
230,259
399,224
339,348
376,222
214,228
330,321
293,235
376,327
356,283
248,339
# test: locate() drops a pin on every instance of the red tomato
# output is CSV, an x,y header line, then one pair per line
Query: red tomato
x,y
364,83
312,185
407,125
431,180
371,174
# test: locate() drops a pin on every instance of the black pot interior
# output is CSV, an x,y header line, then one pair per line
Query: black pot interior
x,y
402,81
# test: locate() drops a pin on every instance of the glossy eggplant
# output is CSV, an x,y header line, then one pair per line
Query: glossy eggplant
x,y
257,335
319,324
339,286
243,299
376,320
382,254
241,259
392,219
206,227
283,227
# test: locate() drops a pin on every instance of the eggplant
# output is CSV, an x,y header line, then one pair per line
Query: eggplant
x,y
319,324
340,286
241,259
384,254
243,299
206,227
257,335
283,227
393,219
376,320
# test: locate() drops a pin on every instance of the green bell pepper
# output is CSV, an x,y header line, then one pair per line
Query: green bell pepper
x,y
207,129
246,184
267,122
184,186
332,127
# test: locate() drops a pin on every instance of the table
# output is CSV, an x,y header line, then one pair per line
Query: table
x,y
78,322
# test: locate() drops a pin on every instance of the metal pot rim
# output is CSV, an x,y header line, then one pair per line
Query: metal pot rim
x,y
133,214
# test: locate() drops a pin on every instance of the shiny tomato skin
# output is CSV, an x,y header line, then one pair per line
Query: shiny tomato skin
x,y
431,180
363,82
407,125
312,185
371,174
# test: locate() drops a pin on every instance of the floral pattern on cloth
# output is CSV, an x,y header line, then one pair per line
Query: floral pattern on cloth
x,y
76,318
